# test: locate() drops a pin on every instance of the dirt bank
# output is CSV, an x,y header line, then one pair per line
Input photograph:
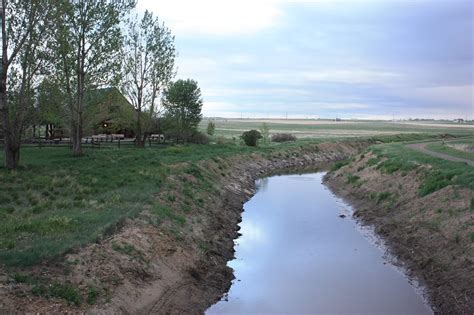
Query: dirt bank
x,y
173,263
432,235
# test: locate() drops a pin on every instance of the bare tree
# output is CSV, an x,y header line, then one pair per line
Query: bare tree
x,y
23,26
88,45
148,68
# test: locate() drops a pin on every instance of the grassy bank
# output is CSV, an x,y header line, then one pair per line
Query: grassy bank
x,y
391,158
423,206
56,202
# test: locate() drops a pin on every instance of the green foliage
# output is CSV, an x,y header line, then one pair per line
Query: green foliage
x,y
338,165
58,290
435,180
265,133
148,67
211,128
439,174
445,149
92,295
352,179
183,104
373,161
251,137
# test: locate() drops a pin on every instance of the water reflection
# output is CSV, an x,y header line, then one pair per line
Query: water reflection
x,y
296,256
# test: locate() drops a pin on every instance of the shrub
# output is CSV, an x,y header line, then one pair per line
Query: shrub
x,y
251,137
198,138
283,137
211,128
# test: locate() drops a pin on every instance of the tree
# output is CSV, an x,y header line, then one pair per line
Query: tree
x,y
50,106
23,40
183,104
265,132
88,44
211,128
148,68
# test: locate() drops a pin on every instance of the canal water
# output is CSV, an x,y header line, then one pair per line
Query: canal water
x,y
296,255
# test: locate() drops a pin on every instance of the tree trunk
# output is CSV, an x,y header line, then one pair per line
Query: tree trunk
x,y
139,137
76,137
12,153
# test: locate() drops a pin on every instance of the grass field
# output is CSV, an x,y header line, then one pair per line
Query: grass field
x,y
326,128
56,202
455,148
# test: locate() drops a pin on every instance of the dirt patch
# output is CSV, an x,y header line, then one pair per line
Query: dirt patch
x,y
432,235
170,264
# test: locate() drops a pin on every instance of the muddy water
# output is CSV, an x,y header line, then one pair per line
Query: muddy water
x,y
297,256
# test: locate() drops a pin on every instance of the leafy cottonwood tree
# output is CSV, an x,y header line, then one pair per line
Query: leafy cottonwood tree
x,y
23,32
50,105
183,104
88,44
148,68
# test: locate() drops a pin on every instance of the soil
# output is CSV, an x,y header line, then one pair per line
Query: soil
x,y
150,268
431,235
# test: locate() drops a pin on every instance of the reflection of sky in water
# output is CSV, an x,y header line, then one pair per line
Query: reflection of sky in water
x,y
296,255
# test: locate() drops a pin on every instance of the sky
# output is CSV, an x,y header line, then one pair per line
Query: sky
x,y
361,59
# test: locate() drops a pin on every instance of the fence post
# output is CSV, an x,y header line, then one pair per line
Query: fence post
x,y
119,143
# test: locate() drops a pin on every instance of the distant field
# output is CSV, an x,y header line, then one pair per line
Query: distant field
x,y
309,128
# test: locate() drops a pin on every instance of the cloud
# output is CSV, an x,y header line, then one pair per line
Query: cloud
x,y
215,17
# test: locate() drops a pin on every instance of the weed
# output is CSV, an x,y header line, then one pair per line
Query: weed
x,y
338,165
383,196
352,179
92,294
58,290
127,249
373,161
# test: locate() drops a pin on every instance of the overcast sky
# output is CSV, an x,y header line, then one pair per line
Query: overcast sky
x,y
326,58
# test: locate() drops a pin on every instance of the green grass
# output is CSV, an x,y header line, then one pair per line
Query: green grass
x,y
441,173
56,202
445,149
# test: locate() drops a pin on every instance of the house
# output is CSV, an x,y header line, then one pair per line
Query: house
x,y
109,112
459,120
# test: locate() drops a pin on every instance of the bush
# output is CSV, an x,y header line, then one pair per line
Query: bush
x,y
283,137
198,138
211,128
251,137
